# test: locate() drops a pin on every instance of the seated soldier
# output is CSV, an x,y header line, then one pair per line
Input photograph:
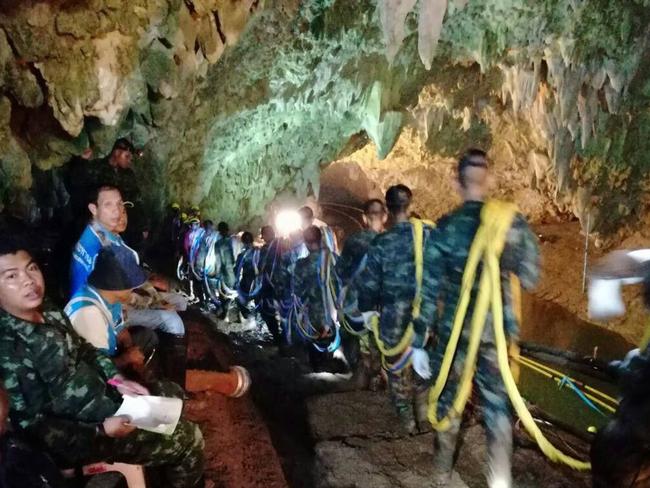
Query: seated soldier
x,y
58,391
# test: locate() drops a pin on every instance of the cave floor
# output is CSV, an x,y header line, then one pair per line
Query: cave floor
x,y
320,434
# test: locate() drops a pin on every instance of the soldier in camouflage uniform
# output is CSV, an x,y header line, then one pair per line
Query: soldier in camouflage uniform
x,y
226,257
57,386
445,258
225,271
348,267
269,265
308,288
387,285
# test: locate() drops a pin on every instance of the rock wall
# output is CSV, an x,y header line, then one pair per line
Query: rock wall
x,y
239,104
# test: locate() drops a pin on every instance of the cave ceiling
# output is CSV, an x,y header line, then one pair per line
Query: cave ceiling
x,y
237,105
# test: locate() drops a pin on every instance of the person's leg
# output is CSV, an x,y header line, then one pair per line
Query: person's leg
x,y
163,320
497,418
176,299
400,387
178,456
445,442
443,454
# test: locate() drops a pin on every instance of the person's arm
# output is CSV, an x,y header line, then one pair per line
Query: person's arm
x,y
523,248
76,384
344,263
90,324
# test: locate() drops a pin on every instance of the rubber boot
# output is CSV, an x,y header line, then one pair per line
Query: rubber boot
x,y
174,357
444,454
233,384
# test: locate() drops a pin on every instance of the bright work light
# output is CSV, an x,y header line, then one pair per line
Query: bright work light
x,y
287,222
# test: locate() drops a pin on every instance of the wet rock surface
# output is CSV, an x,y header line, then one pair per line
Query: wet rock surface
x,y
359,444
328,436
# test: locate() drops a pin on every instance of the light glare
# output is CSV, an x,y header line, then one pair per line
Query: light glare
x,y
287,222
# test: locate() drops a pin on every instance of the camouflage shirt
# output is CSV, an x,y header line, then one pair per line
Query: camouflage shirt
x,y
226,260
354,250
52,376
247,268
445,258
387,284
307,287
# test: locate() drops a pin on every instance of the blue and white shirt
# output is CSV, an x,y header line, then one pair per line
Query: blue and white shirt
x,y
96,320
94,237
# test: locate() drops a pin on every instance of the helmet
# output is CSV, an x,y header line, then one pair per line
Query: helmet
x,y
176,206
194,208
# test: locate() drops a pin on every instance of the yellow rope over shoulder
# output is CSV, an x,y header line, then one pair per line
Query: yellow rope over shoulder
x,y
418,252
496,220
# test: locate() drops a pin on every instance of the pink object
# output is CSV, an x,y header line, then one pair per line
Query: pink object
x,y
115,382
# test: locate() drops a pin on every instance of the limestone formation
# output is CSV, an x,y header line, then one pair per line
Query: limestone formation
x,y
238,105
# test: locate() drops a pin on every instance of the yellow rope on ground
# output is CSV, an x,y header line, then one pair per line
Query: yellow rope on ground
x,y
558,375
496,220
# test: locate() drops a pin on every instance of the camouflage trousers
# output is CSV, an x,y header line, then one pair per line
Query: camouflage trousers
x,y
178,456
497,418
408,393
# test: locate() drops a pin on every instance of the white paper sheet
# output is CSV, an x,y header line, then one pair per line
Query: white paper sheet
x,y
152,413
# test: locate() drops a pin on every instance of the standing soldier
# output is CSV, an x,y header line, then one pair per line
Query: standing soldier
x,y
450,248
269,265
315,317
389,286
348,267
225,255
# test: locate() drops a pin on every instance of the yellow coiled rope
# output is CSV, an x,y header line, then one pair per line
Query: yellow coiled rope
x,y
496,220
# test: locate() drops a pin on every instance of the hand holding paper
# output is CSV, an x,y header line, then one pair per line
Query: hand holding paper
x,y
152,413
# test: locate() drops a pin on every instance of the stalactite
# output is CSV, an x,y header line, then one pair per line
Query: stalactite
x,y
432,14
392,15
